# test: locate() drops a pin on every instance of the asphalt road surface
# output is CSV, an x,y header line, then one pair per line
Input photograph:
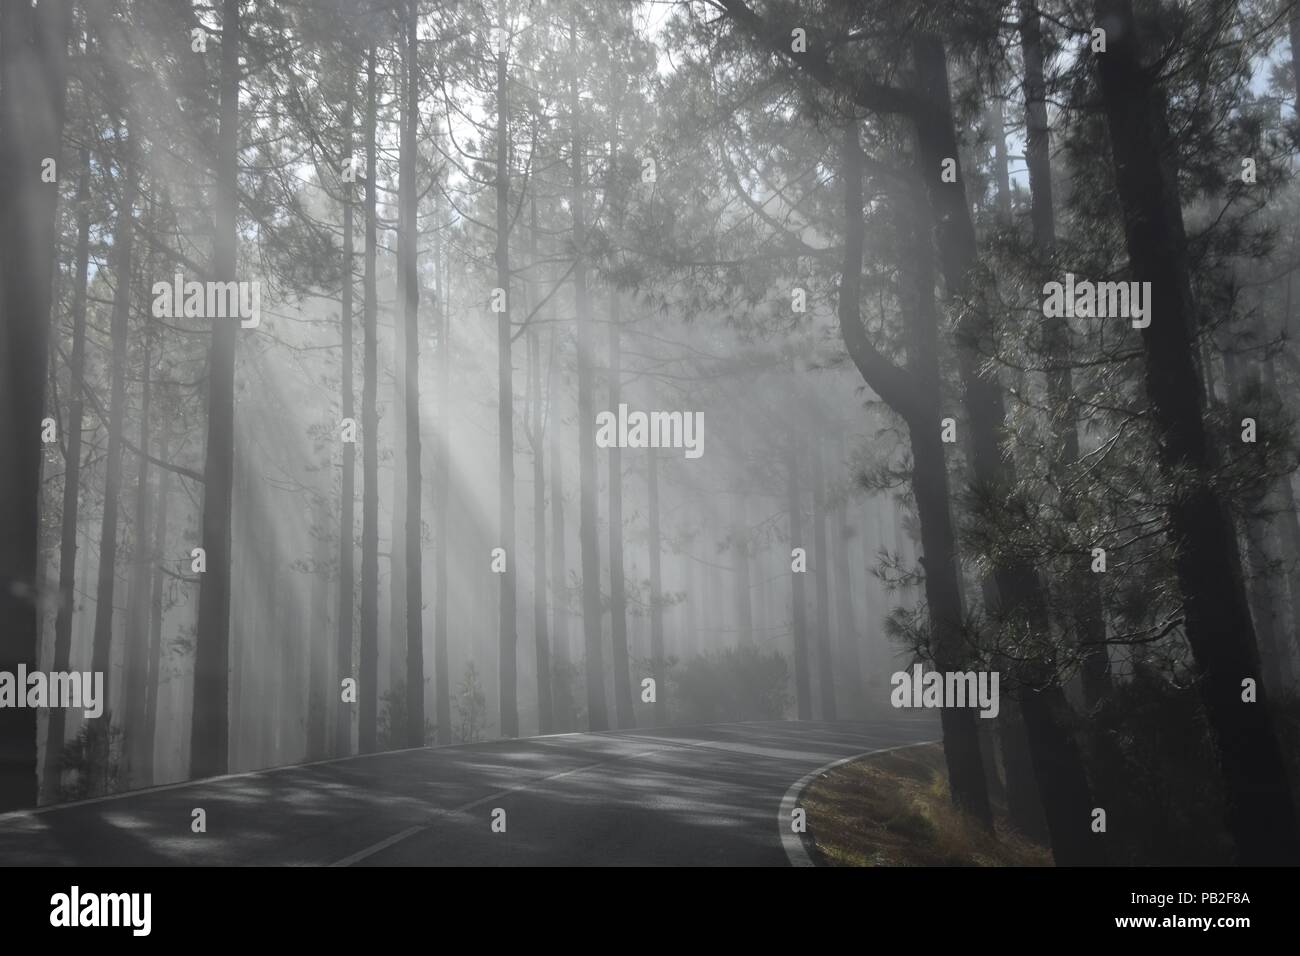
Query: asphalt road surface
x,y
678,796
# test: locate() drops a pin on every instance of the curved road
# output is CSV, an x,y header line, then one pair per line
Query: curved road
x,y
673,796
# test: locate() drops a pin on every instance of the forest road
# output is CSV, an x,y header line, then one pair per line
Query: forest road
x,y
672,796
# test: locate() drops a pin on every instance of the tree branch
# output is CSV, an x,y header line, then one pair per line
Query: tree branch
x,y
865,92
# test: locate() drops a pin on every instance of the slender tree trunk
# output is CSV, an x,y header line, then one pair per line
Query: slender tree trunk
x,y
545,705
849,637
943,598
656,590
509,637
71,480
798,605
209,735
271,700
280,661
244,645
136,675
441,491
743,562
710,617
347,522
541,642
318,647
410,302
123,242
565,719
1261,813
617,585
821,568
394,640
871,592
153,685
368,682
597,714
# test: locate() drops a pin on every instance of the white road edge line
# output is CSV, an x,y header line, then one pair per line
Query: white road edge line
x,y
792,842
412,831
381,845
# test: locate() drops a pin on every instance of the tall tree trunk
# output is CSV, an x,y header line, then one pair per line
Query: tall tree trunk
x,y
545,705
541,642
821,568
244,646
798,604
869,544
272,640
744,577
442,495
410,302
123,243
931,491
318,646
209,734
597,714
617,586
704,633
914,394
1260,810
56,729
154,682
657,665
394,640
509,637
943,599
565,719
136,675
347,522
368,663
849,636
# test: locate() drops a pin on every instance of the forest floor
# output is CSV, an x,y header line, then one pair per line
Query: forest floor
x,y
893,809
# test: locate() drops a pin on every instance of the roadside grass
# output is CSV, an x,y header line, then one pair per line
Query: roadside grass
x,y
893,809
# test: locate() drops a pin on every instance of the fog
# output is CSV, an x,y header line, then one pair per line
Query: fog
x,y
420,374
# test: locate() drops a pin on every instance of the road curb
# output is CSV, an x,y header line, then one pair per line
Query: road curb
x,y
794,844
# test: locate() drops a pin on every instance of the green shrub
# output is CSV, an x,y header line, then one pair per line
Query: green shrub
x,y
738,683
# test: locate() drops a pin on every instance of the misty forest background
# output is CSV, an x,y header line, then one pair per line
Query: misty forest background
x,y
736,208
